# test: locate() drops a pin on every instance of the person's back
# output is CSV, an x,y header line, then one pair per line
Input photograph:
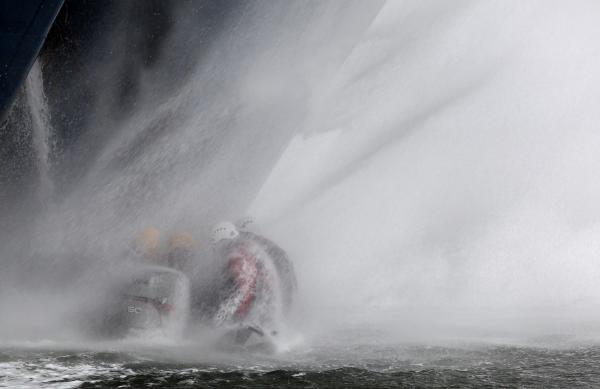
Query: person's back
x,y
282,263
250,293
284,266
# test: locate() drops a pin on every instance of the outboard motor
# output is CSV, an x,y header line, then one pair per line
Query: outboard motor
x,y
155,299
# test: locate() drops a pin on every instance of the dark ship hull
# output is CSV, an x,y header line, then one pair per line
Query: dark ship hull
x,y
24,26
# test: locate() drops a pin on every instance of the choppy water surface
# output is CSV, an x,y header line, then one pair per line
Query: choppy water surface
x,y
323,365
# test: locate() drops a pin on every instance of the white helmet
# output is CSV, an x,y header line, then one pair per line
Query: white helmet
x,y
222,231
